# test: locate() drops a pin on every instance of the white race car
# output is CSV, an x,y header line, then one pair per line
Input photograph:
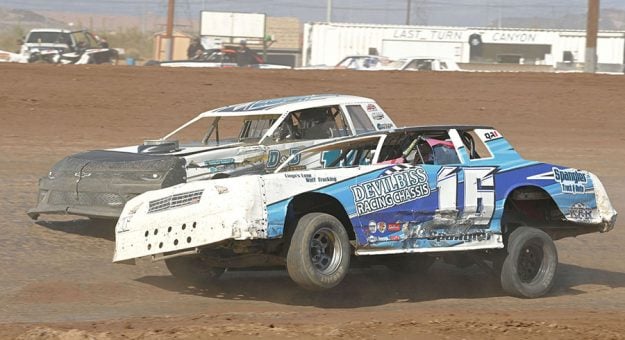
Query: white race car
x,y
98,183
400,197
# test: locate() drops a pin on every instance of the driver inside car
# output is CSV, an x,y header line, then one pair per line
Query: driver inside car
x,y
289,128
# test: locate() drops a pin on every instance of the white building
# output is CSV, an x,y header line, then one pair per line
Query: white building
x,y
328,43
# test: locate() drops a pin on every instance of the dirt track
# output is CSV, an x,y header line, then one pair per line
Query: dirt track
x,y
57,279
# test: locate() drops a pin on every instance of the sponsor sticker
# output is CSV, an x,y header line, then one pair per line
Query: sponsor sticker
x,y
384,126
389,190
214,162
372,227
377,115
381,227
581,212
394,227
571,181
491,134
371,107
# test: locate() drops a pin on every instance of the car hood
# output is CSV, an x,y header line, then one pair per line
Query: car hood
x,y
183,150
105,160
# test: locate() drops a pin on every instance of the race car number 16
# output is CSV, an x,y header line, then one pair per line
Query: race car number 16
x,y
479,192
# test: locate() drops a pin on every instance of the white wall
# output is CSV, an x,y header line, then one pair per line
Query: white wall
x,y
327,44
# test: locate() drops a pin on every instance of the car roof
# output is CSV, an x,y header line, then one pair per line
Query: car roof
x,y
282,105
60,30
276,106
406,129
372,136
425,57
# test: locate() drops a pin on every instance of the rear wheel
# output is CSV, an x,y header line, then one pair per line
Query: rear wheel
x,y
192,269
530,266
319,253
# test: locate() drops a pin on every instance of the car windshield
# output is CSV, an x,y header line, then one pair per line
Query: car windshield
x,y
219,130
359,62
357,151
395,64
49,38
410,147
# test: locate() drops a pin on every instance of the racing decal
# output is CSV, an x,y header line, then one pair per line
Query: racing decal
x,y
402,185
309,178
219,165
329,159
479,192
275,158
580,212
377,115
271,103
542,176
491,135
384,126
372,227
214,162
571,181
371,107
393,227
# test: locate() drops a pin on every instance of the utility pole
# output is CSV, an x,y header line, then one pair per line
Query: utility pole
x,y
329,11
169,39
592,27
408,12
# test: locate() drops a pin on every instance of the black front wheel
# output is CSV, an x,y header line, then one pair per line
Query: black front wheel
x,y
530,266
319,252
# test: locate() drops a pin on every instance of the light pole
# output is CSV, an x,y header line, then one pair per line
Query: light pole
x,y
329,11
409,3
169,42
592,27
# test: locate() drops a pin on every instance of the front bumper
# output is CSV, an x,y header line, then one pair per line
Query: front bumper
x,y
196,214
99,183
58,200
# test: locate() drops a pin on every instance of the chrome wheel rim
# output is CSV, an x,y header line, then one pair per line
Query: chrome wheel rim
x,y
325,251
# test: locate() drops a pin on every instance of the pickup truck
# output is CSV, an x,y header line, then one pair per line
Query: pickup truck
x,y
53,45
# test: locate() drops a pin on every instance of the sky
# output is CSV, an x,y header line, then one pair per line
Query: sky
x,y
424,12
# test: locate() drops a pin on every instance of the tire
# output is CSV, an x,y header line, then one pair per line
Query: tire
x,y
410,263
191,269
319,252
529,268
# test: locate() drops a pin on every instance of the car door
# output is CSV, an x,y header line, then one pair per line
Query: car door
x,y
431,204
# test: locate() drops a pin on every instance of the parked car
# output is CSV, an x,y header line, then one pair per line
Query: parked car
x,y
215,58
354,62
400,197
98,183
51,45
423,64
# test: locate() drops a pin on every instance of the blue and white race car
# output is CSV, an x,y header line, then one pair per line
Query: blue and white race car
x,y
402,197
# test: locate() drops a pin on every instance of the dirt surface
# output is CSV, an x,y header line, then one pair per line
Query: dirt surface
x,y
56,276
